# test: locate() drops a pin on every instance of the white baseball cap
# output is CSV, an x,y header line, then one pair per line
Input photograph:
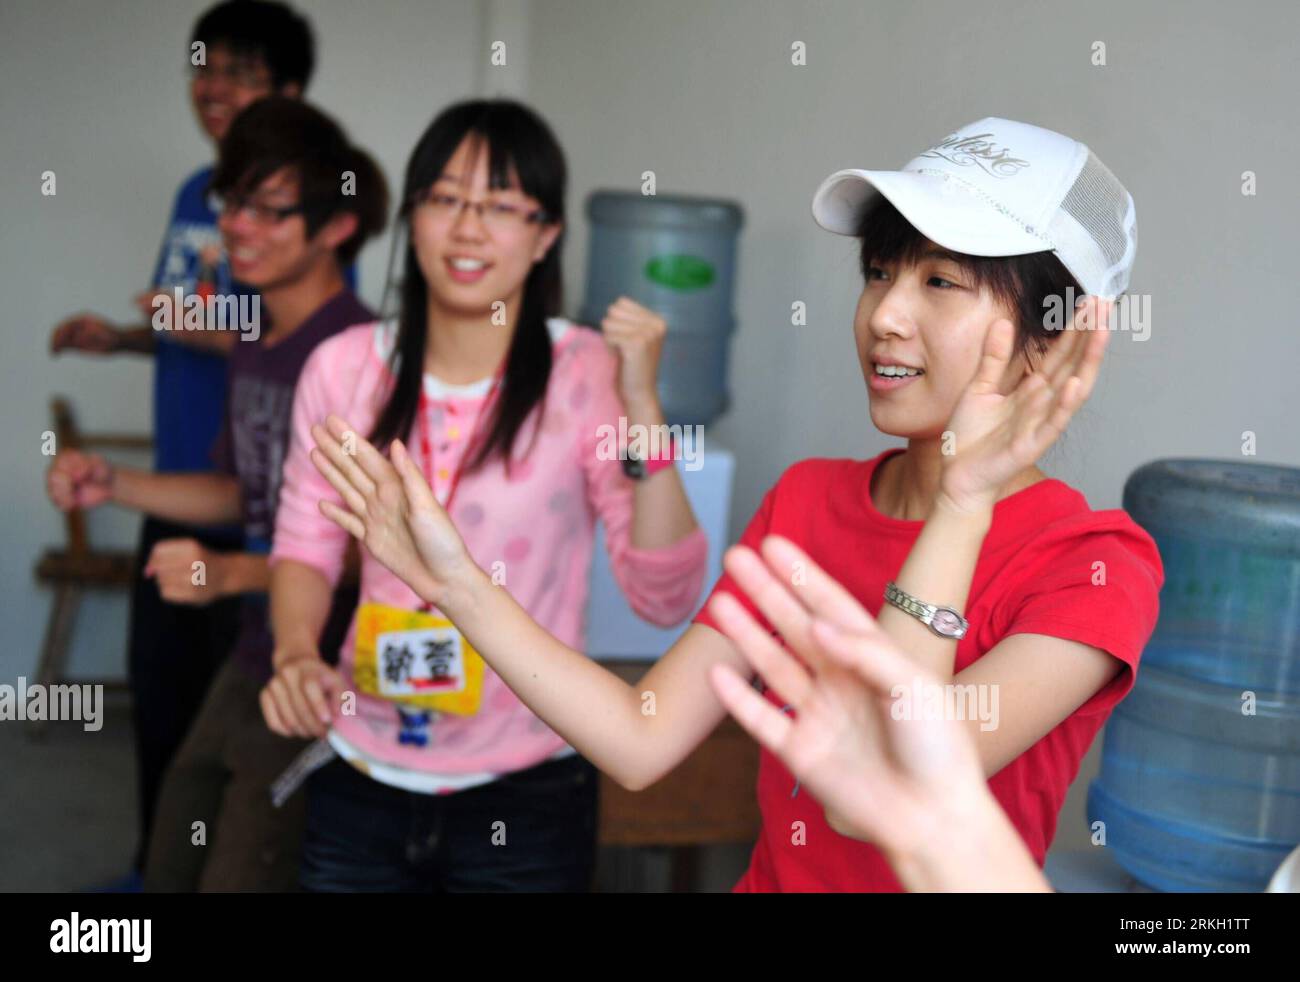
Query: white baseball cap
x,y
1001,188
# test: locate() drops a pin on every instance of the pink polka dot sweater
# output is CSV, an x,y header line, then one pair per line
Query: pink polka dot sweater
x,y
536,528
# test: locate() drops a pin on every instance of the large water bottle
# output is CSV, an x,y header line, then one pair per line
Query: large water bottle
x,y
1199,786
676,255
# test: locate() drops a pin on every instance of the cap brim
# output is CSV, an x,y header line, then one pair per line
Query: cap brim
x,y
944,211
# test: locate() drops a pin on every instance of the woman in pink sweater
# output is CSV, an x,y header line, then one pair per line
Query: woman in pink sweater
x,y
447,781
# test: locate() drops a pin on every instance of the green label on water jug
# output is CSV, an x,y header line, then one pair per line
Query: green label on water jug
x,y
679,272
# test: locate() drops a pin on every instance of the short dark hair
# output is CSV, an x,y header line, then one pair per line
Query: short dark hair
x,y
278,132
1023,283
273,32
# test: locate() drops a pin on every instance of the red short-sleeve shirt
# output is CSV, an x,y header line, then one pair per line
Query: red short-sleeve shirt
x,y
1037,573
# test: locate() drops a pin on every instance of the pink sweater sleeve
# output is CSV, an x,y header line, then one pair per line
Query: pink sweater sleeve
x,y
302,533
663,585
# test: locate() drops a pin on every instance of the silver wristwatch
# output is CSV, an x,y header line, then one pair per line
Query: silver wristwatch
x,y
943,621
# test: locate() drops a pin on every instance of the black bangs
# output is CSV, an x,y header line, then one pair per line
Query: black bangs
x,y
278,132
264,30
1027,285
887,237
518,144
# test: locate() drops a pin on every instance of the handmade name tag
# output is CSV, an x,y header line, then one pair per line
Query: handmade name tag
x,y
416,659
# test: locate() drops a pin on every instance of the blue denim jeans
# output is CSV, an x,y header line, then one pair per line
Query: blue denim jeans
x,y
533,830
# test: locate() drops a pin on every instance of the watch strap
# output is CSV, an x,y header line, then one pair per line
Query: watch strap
x,y
638,469
943,621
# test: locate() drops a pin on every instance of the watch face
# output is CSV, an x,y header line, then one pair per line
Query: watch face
x,y
633,467
946,623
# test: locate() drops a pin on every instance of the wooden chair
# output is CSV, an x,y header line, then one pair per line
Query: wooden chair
x,y
708,799
77,567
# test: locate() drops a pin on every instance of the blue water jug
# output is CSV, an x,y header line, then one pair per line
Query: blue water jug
x,y
1199,788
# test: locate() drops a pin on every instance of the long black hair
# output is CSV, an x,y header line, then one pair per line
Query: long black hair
x,y
516,137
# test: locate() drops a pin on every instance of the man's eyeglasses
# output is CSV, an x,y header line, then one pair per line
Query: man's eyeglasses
x,y
243,76
493,213
262,214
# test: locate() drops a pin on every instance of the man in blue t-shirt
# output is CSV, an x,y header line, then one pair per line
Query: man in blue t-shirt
x,y
240,51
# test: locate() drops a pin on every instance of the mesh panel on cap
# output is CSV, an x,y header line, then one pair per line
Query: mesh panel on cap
x,y
1104,211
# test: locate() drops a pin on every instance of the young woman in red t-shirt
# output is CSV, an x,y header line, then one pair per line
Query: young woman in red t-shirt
x,y
913,785
975,257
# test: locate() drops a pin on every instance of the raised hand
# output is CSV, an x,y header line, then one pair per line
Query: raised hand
x,y
391,510
888,780
996,435
637,334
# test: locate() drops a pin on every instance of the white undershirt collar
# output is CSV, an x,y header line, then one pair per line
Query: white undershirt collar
x,y
436,388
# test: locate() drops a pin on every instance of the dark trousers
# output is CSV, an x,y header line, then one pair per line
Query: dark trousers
x,y
173,653
221,776
533,830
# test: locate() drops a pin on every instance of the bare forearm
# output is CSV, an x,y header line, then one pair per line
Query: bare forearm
x,y
212,342
938,571
138,339
661,512
193,499
595,711
978,851
245,572
300,605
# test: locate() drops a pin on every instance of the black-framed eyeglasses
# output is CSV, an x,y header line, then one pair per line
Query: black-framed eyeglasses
x,y
493,213
262,214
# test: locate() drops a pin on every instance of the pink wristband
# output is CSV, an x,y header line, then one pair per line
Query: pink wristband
x,y
665,459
